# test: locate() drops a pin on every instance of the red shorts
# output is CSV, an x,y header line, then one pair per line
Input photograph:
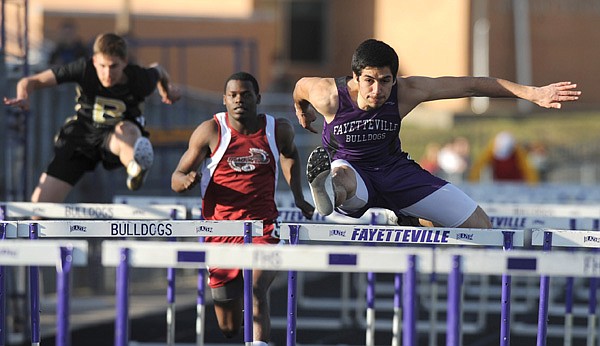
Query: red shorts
x,y
219,277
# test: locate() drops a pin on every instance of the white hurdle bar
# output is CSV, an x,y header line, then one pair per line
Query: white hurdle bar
x,y
401,235
454,262
100,211
62,255
105,211
150,229
246,229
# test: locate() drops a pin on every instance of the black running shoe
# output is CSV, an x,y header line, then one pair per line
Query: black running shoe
x,y
317,171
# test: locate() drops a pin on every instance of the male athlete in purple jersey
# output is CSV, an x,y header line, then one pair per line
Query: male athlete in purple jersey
x,y
361,144
109,124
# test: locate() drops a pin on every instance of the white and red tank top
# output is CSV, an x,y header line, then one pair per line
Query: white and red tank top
x,y
239,178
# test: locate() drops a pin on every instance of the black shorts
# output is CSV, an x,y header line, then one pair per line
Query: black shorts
x,y
78,148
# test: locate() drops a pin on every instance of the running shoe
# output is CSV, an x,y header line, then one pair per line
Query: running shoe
x,y
136,175
317,171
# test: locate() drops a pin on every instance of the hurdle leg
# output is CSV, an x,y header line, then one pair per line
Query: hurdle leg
x,y
397,319
122,291
2,293
544,292
506,294
171,304
201,305
34,293
453,315
370,332
292,307
62,289
409,337
248,320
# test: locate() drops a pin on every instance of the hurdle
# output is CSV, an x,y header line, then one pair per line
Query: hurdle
x,y
61,254
452,261
143,229
183,259
548,238
401,235
98,211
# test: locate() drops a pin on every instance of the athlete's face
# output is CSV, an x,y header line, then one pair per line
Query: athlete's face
x,y
240,99
374,87
109,69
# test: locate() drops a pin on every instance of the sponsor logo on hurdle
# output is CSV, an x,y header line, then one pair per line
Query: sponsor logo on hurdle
x,y
337,233
539,222
88,212
591,239
399,235
7,253
38,211
77,228
464,236
150,229
508,221
204,229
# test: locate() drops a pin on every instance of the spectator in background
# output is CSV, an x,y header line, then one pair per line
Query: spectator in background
x,y
538,156
429,160
507,160
69,46
454,159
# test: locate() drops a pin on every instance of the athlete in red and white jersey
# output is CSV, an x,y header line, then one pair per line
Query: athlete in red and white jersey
x,y
238,154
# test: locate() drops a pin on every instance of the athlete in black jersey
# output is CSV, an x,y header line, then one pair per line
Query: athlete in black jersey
x,y
108,126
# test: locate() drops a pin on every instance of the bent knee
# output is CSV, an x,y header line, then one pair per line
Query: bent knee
x,y
479,219
127,128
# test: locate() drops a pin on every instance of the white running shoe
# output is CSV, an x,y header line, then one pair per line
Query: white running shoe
x,y
317,171
136,175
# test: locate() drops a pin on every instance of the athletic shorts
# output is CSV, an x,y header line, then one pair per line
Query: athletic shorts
x,y
407,189
78,148
221,277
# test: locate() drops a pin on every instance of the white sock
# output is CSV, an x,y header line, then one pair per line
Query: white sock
x,y
259,343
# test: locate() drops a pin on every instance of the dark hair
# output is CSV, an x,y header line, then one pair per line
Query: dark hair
x,y
374,53
111,44
243,76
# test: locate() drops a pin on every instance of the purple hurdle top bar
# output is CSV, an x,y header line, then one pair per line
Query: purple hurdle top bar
x,y
34,292
248,320
453,318
409,337
2,293
62,290
544,292
122,290
506,293
292,292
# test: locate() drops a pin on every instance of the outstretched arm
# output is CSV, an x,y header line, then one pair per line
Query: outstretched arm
x,y
168,92
422,89
28,84
186,175
290,165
